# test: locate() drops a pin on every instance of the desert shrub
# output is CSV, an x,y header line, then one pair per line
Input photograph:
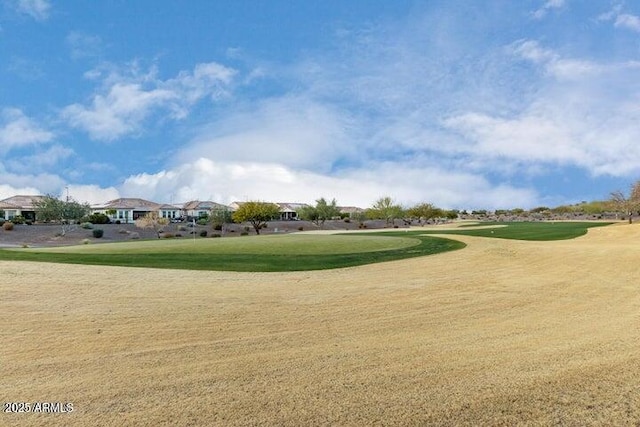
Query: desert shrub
x,y
168,235
7,226
118,221
201,221
246,229
244,233
347,220
301,228
134,235
178,235
2,221
86,241
203,233
25,245
123,231
99,218
28,222
19,219
215,235
217,227
98,233
86,225
182,228
193,232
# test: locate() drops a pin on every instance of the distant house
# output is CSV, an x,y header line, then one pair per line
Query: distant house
x,y
170,212
350,210
127,210
20,206
198,208
288,211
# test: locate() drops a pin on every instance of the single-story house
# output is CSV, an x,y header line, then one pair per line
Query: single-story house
x,y
127,210
170,212
20,206
351,210
289,211
198,208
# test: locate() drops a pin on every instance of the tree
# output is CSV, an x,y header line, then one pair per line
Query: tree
x,y
627,204
52,209
256,213
385,208
425,212
152,220
319,213
220,217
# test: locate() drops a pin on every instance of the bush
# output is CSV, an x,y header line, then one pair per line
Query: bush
x,y
178,235
86,241
244,233
168,236
182,228
203,233
86,225
123,231
7,226
215,235
2,221
98,233
201,221
118,221
134,235
300,228
217,227
18,219
99,218
28,222
347,220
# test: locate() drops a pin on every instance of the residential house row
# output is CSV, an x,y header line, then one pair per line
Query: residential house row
x,y
126,210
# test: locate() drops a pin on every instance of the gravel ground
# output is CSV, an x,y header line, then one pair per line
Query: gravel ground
x,y
49,234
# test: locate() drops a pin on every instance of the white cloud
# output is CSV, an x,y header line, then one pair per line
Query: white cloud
x,y
91,194
548,6
41,160
126,101
7,191
37,9
226,182
291,130
18,130
629,22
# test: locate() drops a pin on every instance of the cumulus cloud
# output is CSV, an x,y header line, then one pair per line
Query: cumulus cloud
x,y
18,130
126,100
41,160
225,182
621,20
82,45
92,194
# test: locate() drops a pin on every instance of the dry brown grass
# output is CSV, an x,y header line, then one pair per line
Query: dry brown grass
x,y
500,333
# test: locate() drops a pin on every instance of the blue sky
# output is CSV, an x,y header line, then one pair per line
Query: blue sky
x,y
461,103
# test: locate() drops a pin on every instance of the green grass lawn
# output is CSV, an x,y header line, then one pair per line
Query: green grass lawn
x,y
251,253
295,252
539,231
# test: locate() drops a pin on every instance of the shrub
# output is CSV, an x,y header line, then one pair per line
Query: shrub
x,y
201,221
7,226
215,235
134,235
86,241
168,235
2,221
217,227
28,222
123,231
244,233
99,218
300,228
24,245
203,233
182,228
98,233
19,219
118,221
178,235
86,225
347,220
